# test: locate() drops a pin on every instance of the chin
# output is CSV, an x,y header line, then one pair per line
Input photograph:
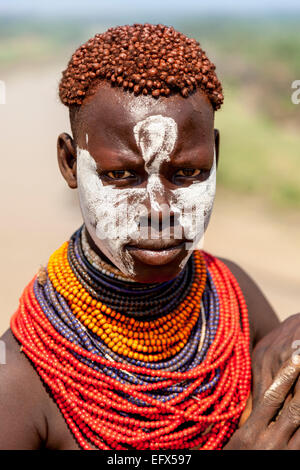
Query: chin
x,y
148,274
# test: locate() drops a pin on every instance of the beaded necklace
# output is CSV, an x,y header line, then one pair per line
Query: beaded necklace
x,y
98,263
156,366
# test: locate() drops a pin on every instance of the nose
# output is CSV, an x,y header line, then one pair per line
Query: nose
x,y
159,224
158,195
159,221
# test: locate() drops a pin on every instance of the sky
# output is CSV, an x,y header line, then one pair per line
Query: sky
x,y
173,7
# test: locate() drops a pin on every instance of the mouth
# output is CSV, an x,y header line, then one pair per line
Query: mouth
x,y
157,252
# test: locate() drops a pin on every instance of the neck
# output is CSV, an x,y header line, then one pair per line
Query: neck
x,y
98,259
131,298
95,248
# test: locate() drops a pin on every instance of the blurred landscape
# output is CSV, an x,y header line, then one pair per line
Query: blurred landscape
x,y
257,60
257,213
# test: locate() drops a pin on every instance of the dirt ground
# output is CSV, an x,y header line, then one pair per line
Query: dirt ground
x,y
39,212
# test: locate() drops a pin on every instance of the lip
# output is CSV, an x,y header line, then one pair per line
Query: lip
x,y
157,244
157,254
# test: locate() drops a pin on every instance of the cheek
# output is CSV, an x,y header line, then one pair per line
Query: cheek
x,y
193,206
114,214
89,199
102,206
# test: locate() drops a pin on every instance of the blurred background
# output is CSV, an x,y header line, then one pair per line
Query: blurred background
x,y
256,48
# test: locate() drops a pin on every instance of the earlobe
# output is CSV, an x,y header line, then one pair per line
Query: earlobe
x,y
217,144
66,156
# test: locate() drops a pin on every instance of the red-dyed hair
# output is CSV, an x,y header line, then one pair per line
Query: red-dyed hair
x,y
143,58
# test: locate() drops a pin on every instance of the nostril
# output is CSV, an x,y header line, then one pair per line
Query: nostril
x,y
143,222
166,221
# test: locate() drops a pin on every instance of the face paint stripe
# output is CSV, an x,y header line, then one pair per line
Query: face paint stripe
x,y
156,137
112,215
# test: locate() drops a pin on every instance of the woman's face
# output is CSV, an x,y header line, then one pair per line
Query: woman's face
x,y
146,178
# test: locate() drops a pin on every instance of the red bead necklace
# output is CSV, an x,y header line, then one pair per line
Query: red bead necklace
x,y
93,406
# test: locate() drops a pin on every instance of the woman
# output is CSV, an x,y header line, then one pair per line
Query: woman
x,y
141,339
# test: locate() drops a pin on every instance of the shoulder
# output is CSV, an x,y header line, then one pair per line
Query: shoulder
x,y
22,424
262,317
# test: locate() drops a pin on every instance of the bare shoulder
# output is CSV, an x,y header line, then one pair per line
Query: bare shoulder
x,y
22,424
262,317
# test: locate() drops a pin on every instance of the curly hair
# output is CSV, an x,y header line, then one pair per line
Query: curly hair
x,y
146,59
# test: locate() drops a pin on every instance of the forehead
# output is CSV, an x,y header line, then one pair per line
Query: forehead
x,y
109,116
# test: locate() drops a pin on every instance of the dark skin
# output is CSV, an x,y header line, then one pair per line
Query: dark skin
x,y
111,142
29,418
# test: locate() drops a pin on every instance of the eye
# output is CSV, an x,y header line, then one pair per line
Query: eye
x,y
188,172
119,174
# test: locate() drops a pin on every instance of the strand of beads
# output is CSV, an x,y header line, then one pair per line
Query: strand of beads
x,y
141,340
98,263
185,354
133,299
59,314
174,363
97,406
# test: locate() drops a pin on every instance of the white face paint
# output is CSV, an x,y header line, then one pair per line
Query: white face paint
x,y
112,215
194,205
156,137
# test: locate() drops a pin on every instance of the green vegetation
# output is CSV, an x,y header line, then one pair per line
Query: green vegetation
x,y
27,41
257,155
257,59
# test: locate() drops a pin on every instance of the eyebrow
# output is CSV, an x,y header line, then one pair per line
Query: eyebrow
x,y
122,158
191,157
127,156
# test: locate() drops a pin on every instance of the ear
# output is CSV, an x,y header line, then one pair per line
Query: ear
x,y
66,156
217,144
